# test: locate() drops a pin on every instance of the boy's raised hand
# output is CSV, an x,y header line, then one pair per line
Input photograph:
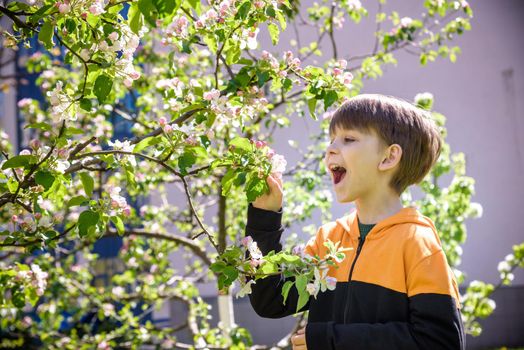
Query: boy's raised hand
x,y
274,199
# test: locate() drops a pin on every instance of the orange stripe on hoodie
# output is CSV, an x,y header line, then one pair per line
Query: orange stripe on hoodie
x,y
402,252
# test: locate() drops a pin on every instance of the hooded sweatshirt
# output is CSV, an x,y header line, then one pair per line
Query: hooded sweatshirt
x,y
394,290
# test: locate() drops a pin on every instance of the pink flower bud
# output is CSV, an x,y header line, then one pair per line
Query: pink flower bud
x,y
260,144
246,241
14,218
113,36
126,211
162,121
337,71
348,77
134,75
38,216
255,262
35,144
168,128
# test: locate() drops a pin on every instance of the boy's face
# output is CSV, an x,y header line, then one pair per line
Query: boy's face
x,y
360,154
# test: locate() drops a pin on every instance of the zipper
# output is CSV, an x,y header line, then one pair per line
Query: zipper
x,y
359,248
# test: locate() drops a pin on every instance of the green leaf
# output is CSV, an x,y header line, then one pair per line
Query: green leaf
x,y
86,104
148,10
46,35
87,222
186,160
285,289
269,267
119,224
42,126
274,33
281,20
150,141
218,266
45,179
88,183
262,78
21,161
303,295
196,5
102,88
41,13
231,273
232,50
312,104
18,6
241,143
77,200
243,10
330,98
18,297
227,181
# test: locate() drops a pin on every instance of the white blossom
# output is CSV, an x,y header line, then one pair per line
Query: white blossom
x,y
246,289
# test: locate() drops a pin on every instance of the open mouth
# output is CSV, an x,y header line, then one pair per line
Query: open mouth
x,y
338,174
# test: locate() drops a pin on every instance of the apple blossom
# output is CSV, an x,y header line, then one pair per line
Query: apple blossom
x,y
248,39
246,289
168,128
331,282
63,7
24,102
354,4
113,36
339,22
278,163
405,22
211,95
246,241
97,8
35,144
313,289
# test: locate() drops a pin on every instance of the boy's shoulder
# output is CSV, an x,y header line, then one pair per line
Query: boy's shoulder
x,y
410,228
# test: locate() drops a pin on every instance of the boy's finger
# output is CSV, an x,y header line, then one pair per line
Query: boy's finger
x,y
274,182
278,177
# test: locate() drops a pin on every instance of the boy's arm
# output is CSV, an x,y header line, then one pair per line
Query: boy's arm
x,y
435,321
265,227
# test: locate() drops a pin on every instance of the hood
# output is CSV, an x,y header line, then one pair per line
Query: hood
x,y
349,223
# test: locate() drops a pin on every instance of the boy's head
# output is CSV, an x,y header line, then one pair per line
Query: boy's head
x,y
379,138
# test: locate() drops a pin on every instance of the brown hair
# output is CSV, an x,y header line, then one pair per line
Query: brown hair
x,y
395,121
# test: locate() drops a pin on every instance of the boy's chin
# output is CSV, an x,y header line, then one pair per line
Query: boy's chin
x,y
345,199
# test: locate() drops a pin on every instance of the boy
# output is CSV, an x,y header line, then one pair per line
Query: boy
x,y
394,289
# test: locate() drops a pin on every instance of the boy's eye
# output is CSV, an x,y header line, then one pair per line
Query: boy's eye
x,y
346,139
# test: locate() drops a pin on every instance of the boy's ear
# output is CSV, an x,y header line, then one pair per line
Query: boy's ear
x,y
391,158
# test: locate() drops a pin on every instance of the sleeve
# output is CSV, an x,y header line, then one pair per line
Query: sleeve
x,y
434,317
265,227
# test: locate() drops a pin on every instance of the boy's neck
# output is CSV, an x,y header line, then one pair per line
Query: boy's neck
x,y
377,207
